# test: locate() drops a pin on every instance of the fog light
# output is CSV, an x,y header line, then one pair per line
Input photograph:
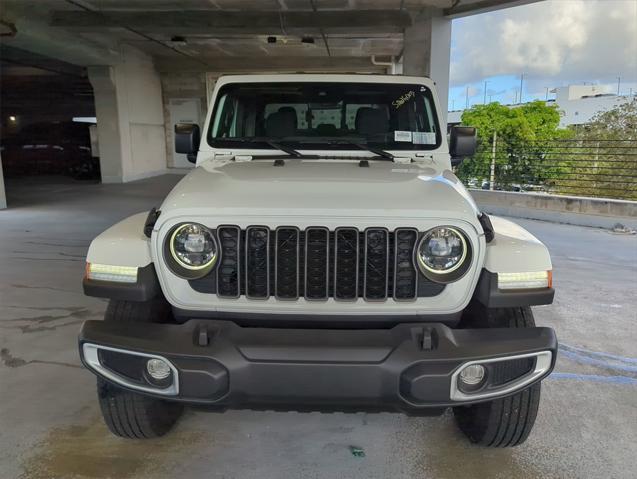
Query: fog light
x,y
472,375
158,369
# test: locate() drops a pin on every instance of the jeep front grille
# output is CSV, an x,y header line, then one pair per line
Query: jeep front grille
x,y
317,264
257,262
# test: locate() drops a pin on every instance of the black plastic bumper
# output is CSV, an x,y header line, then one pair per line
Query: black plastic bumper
x,y
408,367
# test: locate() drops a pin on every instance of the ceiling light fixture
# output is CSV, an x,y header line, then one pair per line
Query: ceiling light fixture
x,y
178,40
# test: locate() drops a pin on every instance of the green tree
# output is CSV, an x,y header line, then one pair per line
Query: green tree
x,y
619,124
606,160
523,135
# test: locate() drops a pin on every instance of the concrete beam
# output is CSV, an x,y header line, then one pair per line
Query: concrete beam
x,y
253,22
38,37
26,58
483,6
268,64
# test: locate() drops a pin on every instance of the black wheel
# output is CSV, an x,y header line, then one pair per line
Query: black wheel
x,y
128,414
503,422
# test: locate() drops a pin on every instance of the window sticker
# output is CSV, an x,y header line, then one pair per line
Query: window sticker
x,y
403,99
402,136
423,138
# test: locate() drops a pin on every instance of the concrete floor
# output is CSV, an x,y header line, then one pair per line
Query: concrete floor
x,y
50,425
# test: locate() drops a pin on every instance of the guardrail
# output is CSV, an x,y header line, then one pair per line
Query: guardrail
x,y
590,168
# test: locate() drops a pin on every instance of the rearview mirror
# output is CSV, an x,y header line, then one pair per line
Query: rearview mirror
x,y
187,138
462,143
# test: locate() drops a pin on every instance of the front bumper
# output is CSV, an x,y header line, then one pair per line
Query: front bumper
x,y
410,367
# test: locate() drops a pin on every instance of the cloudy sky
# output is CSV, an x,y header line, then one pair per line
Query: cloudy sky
x,y
553,43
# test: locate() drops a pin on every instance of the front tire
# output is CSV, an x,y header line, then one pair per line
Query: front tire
x,y
128,414
502,422
133,415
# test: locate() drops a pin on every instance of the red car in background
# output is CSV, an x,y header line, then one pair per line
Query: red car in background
x,y
60,148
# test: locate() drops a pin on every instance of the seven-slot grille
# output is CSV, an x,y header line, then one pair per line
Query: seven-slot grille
x,y
317,264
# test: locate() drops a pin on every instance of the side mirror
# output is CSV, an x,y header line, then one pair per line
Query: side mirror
x,y
462,143
187,138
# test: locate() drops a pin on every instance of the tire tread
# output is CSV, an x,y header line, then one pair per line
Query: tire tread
x,y
128,414
508,421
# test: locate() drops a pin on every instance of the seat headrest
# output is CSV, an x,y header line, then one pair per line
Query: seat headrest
x,y
288,110
371,121
281,123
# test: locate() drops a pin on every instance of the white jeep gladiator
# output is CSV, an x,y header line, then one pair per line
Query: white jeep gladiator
x,y
321,256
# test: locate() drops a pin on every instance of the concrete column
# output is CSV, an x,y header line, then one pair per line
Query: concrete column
x,y
130,118
427,51
189,88
3,196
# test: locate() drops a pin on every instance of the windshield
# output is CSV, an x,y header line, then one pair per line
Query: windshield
x,y
322,115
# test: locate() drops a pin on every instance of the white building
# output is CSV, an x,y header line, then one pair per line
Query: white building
x,y
577,104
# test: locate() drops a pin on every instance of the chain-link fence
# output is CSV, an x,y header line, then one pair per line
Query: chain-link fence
x,y
599,168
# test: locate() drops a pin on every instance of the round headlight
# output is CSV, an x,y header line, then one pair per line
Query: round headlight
x,y
442,254
193,247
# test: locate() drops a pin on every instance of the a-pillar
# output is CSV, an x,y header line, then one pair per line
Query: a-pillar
x,y
427,51
130,118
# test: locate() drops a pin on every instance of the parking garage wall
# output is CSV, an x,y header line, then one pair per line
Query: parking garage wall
x,y
130,118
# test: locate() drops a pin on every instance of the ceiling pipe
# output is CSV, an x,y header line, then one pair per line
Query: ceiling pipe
x,y
391,64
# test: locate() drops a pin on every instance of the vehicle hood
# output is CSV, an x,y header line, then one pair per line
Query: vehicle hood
x,y
320,188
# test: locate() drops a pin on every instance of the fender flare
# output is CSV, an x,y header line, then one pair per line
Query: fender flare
x,y
512,250
124,244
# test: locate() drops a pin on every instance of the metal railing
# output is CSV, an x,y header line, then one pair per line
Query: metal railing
x,y
598,168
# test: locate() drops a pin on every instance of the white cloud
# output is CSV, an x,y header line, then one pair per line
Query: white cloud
x,y
558,41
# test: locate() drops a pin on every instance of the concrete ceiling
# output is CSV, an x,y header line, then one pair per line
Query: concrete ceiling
x,y
209,35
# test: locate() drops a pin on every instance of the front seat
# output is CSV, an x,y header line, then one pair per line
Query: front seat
x,y
281,123
371,121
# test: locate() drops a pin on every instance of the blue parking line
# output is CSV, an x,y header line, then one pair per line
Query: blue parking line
x,y
580,358
623,359
595,378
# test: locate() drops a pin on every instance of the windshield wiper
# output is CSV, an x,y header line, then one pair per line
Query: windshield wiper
x,y
272,143
276,144
284,149
363,146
